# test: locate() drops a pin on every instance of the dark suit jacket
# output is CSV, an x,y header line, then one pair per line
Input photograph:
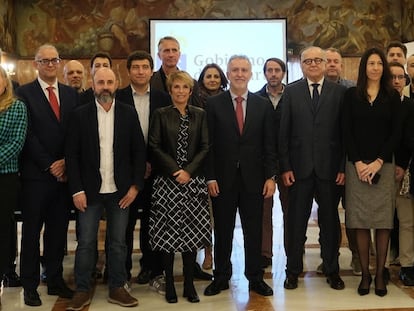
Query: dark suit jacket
x,y
83,155
158,82
158,98
46,135
86,97
311,141
253,152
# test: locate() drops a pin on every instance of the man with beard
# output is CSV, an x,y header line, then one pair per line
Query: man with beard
x,y
274,71
105,155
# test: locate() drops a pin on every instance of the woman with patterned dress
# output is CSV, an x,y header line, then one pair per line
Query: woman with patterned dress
x,y
13,128
179,219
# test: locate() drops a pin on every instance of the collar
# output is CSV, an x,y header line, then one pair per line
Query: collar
x,y
44,84
244,95
134,92
279,92
320,82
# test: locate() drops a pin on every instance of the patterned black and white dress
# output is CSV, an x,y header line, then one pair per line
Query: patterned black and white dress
x,y
179,218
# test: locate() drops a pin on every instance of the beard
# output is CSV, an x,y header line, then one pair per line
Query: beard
x,y
105,97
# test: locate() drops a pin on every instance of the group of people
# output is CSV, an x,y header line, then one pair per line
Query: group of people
x,y
182,155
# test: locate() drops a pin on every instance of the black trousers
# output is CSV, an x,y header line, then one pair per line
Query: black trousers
x,y
150,260
250,206
43,203
301,195
9,188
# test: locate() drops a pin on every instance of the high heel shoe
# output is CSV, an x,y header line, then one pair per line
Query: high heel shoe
x,y
364,291
378,291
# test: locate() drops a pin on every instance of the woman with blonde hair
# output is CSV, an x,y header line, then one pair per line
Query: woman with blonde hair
x,y
13,127
179,219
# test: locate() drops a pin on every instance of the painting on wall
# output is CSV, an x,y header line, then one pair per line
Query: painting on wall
x,y
7,27
79,28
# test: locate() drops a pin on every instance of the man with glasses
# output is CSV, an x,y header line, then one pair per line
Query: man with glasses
x,y
312,163
404,203
45,197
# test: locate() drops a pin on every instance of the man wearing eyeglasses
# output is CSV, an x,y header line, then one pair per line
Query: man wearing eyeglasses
x,y
404,202
311,161
45,196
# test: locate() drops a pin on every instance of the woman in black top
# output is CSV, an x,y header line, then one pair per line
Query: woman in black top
x,y
372,133
179,218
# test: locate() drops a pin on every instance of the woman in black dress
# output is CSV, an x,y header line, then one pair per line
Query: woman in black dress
x,y
179,220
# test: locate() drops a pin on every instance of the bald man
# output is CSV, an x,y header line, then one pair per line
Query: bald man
x,y
74,75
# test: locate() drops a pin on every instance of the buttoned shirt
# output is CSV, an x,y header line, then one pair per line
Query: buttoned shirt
x,y
44,87
106,121
320,82
142,106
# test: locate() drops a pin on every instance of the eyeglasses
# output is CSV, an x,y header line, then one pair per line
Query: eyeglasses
x,y
398,77
47,61
309,61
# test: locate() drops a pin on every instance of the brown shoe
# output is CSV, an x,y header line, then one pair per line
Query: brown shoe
x,y
79,301
120,296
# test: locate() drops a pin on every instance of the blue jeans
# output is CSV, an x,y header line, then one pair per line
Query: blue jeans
x,y
88,222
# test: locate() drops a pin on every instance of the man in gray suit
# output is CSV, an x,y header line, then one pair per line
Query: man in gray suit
x,y
312,163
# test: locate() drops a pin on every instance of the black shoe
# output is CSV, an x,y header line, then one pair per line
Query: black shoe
x,y
60,289
266,262
291,282
200,274
261,288
335,281
407,276
216,287
143,276
31,298
11,280
364,291
380,291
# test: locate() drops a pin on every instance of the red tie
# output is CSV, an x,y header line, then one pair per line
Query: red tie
x,y
239,113
53,102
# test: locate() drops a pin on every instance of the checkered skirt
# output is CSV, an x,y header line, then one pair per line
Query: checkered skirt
x,y
179,217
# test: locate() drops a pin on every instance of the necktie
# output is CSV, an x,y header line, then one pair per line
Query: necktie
x,y
315,95
239,113
53,102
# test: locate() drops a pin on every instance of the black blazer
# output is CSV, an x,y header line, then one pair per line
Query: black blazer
x,y
83,155
158,82
163,140
253,152
311,141
46,135
158,98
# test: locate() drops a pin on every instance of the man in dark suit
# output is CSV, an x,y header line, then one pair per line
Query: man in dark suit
x,y
311,161
241,173
45,197
145,100
169,54
99,60
105,154
274,70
